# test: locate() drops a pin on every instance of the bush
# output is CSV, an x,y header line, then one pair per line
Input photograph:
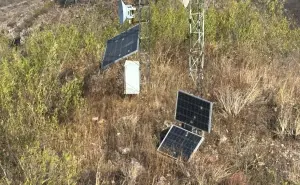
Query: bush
x,y
34,102
240,23
168,23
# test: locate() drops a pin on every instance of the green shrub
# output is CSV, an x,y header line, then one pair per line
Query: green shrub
x,y
168,23
239,22
33,101
242,23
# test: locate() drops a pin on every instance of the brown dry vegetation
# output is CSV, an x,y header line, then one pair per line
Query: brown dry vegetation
x,y
256,118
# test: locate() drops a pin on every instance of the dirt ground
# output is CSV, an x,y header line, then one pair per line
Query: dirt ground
x,y
13,16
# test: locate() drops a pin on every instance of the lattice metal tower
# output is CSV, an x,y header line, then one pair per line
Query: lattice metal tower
x,y
196,53
144,14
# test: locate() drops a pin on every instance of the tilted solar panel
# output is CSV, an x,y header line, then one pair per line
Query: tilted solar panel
x,y
121,46
179,142
193,111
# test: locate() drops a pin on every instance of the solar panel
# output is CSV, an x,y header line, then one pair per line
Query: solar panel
x,y
193,111
180,143
121,46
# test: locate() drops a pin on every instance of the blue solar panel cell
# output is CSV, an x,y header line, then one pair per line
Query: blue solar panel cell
x,y
180,143
193,111
121,46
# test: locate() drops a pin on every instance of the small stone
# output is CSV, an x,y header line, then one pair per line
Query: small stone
x,y
125,150
223,139
213,158
167,123
162,179
95,118
101,121
188,174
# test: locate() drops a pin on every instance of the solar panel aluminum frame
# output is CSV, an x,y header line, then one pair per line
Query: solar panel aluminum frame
x,y
210,111
196,148
125,56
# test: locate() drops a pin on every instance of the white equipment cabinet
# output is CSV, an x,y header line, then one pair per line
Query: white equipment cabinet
x,y
132,77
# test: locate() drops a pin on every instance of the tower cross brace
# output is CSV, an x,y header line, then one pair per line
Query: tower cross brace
x,y
196,33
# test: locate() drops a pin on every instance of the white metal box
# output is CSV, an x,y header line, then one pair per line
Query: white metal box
x,y
132,77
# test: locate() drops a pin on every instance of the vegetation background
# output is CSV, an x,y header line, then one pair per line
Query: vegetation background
x,y
50,90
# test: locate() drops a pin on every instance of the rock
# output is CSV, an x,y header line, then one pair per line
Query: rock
x,y
188,174
236,178
101,121
213,158
223,139
95,119
167,123
133,170
162,181
125,150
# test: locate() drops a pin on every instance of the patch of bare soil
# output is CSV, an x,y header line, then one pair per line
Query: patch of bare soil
x,y
17,15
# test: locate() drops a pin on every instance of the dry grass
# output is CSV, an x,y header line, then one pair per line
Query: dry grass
x,y
133,123
250,92
294,174
289,113
9,2
237,178
234,98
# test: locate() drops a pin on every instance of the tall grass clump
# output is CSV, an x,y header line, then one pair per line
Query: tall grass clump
x,y
288,120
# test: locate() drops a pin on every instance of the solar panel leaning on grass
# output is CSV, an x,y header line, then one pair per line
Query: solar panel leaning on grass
x,y
193,111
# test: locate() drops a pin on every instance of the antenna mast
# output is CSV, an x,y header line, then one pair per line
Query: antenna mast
x,y
196,53
144,22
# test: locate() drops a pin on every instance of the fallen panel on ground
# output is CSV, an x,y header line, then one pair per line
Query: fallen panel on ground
x,y
180,143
